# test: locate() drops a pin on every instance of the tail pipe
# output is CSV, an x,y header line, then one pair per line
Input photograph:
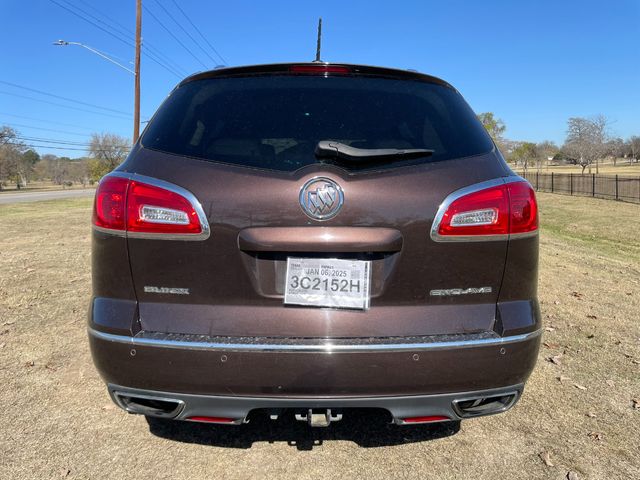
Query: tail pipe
x,y
477,406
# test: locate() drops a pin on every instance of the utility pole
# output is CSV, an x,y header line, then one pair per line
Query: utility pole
x,y
136,108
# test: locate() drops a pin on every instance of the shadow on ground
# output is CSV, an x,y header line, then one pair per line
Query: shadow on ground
x,y
366,428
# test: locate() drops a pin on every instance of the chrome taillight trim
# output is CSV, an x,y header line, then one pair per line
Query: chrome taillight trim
x,y
476,187
156,182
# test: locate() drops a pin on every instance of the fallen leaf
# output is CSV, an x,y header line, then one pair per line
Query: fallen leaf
x,y
595,436
579,387
555,359
571,475
591,415
546,458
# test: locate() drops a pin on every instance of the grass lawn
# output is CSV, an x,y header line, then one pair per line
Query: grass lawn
x,y
577,412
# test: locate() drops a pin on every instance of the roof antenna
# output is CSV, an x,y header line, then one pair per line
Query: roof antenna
x,y
319,40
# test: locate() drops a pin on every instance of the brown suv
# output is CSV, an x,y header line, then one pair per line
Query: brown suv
x,y
310,238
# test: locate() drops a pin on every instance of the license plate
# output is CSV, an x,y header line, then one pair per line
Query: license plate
x,y
328,282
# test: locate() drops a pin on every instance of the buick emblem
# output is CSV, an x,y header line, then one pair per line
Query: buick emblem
x,y
321,198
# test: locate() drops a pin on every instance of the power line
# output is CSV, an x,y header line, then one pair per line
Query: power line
x,y
62,142
172,35
19,125
115,25
60,97
63,106
44,121
199,32
185,31
57,148
120,39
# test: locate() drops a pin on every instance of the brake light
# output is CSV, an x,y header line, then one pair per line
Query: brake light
x,y
138,207
319,69
503,209
110,201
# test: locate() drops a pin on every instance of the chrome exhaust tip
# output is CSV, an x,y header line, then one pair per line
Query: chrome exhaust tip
x,y
149,405
484,405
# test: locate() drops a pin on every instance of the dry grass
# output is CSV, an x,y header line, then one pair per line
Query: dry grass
x,y
623,167
58,421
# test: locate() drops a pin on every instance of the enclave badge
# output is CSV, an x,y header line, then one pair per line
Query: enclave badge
x,y
321,198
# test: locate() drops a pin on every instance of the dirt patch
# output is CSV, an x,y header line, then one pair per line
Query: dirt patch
x,y
577,414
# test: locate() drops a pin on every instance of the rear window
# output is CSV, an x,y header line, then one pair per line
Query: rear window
x,y
275,122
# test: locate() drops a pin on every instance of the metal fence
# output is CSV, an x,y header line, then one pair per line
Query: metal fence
x,y
612,187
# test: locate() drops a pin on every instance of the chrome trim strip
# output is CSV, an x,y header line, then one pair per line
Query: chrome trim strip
x,y
206,230
312,348
436,237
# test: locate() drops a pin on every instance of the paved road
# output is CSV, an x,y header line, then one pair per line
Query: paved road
x,y
6,198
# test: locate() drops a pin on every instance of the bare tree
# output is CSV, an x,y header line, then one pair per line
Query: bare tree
x,y
587,140
545,150
634,146
107,151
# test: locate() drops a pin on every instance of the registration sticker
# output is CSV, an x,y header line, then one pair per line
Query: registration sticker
x,y
328,282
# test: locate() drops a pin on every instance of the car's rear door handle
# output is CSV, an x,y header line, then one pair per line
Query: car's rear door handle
x,y
320,239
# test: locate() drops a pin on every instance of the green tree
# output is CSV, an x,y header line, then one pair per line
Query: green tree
x,y
494,126
525,153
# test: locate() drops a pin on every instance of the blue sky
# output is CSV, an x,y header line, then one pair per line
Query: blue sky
x,y
534,64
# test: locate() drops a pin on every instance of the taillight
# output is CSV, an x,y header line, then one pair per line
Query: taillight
x,y
148,208
319,69
496,211
109,208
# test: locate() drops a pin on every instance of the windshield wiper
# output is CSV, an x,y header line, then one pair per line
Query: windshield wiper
x,y
330,150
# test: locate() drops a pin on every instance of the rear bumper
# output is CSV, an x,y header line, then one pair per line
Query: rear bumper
x,y
235,410
299,370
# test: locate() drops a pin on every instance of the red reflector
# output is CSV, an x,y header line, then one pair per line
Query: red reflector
x,y
211,419
503,209
428,419
319,69
109,206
